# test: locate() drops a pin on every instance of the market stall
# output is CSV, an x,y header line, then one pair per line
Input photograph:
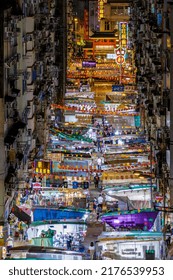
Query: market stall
x,y
53,213
141,219
120,197
59,197
130,245
57,234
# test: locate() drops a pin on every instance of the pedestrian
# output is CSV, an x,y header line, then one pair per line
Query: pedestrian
x,y
99,145
168,240
69,241
27,180
34,179
87,201
9,243
20,236
100,201
91,250
99,163
99,210
95,204
25,235
96,180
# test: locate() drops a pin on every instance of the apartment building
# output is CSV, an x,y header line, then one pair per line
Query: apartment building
x,y
29,83
151,26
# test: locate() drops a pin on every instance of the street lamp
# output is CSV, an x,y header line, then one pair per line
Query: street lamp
x,y
75,32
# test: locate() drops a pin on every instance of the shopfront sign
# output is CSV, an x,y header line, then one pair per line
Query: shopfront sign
x,y
111,56
117,88
88,64
129,88
43,167
55,156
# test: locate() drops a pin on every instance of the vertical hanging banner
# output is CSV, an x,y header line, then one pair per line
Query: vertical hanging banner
x,y
101,9
123,29
86,24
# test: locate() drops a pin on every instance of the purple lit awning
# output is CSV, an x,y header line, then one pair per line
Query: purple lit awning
x,y
139,220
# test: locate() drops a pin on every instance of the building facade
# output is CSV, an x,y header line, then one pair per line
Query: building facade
x,y
151,26
31,78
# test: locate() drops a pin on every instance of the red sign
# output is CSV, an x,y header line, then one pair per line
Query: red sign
x,y
86,24
120,59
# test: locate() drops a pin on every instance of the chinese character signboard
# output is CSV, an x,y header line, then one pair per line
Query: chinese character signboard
x,y
101,9
123,34
42,167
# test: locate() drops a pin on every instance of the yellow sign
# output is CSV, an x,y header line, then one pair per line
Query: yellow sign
x,y
101,9
123,34
42,167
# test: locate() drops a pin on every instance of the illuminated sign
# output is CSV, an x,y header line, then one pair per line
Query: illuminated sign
x,y
101,8
86,26
43,167
55,156
120,59
120,55
111,56
123,34
88,64
150,254
117,88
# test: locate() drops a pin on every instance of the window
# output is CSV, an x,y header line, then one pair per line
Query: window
x,y
92,12
107,25
121,10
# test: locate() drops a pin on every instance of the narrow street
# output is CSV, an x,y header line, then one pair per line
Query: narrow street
x,y
88,152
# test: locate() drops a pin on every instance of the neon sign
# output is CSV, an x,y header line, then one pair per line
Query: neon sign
x,y
123,34
120,55
101,8
43,167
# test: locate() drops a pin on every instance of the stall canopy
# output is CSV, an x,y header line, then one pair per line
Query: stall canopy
x,y
42,214
134,219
